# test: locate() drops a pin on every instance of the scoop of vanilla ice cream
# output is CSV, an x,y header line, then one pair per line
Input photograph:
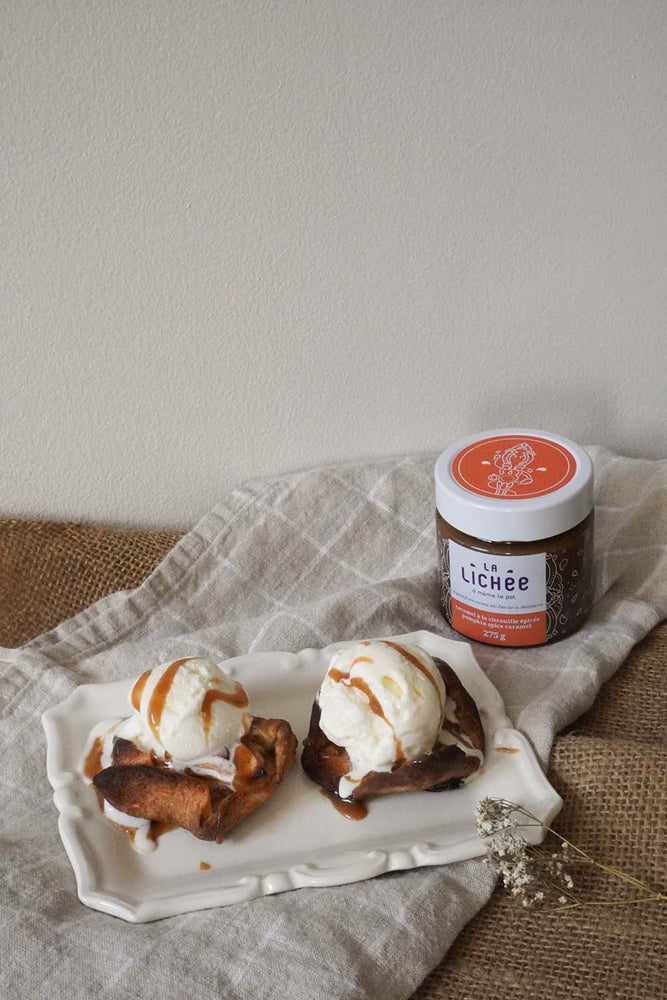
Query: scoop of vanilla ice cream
x,y
188,707
383,702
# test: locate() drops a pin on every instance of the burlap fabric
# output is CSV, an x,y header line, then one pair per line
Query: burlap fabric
x,y
609,767
50,570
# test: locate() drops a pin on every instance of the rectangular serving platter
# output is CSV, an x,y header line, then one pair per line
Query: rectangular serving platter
x,y
295,840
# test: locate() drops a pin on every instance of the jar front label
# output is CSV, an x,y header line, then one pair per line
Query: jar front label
x,y
500,600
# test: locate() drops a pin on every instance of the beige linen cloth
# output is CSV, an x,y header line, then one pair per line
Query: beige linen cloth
x,y
298,561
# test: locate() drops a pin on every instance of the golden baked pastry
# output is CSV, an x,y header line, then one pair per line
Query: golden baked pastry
x,y
189,755
139,784
454,737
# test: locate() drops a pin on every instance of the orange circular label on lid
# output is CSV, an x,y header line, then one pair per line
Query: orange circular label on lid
x,y
513,467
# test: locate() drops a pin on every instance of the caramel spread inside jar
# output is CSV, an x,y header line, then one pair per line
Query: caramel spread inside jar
x,y
569,590
514,523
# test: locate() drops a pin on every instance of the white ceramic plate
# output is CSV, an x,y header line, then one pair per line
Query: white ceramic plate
x,y
296,839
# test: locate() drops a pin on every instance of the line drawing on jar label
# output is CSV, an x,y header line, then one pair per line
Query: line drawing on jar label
x,y
513,466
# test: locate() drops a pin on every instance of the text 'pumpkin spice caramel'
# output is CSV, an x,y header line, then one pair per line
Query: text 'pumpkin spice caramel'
x,y
514,519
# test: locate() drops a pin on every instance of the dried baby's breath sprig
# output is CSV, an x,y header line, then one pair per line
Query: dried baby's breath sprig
x,y
535,875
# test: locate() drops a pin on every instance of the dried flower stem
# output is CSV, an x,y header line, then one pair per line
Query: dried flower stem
x,y
527,871
658,898
614,872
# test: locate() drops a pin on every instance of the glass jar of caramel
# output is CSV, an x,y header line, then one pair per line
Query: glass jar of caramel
x,y
514,519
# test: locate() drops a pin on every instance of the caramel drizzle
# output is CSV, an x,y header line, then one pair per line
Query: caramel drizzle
x,y
138,690
415,663
238,698
339,676
348,809
158,828
506,749
159,695
204,866
93,763
129,830
246,766
155,830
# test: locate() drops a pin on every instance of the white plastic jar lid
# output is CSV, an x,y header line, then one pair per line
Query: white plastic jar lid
x,y
514,485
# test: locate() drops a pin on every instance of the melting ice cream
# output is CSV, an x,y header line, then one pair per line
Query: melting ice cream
x,y
187,713
384,703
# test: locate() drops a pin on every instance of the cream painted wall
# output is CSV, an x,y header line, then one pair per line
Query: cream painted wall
x,y
244,237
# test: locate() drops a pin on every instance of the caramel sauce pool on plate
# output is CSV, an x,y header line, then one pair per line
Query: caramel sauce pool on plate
x,y
350,810
93,764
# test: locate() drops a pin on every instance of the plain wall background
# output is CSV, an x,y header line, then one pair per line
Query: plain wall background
x,y
245,237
